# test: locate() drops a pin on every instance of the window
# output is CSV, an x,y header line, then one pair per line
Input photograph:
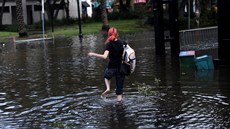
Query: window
x,y
6,9
37,8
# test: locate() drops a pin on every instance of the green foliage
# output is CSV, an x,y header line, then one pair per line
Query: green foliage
x,y
122,15
37,25
140,11
208,18
147,90
9,28
61,125
145,17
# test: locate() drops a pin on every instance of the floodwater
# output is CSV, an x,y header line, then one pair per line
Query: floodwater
x,y
52,85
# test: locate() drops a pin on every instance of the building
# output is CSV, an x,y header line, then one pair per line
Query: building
x,y
32,11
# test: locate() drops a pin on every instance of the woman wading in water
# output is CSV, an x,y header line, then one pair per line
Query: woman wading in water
x,y
113,50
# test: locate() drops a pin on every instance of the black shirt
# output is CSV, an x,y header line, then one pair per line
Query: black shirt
x,y
115,49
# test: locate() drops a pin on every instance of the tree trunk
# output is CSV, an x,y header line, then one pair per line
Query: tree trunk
x,y
105,23
67,9
128,5
121,6
132,5
62,3
182,6
2,11
20,19
49,10
197,13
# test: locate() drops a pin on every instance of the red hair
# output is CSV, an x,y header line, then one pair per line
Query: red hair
x,y
112,34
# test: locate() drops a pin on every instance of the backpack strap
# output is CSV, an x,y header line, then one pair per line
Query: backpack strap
x,y
124,55
130,55
124,43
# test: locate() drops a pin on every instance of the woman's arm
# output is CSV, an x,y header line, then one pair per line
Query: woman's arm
x,y
103,56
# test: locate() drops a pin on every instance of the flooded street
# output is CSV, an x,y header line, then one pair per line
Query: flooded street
x,y
49,85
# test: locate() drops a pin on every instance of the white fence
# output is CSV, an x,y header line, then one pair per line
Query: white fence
x,y
198,39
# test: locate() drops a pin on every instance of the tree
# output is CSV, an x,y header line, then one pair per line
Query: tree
x,y
105,23
20,19
2,11
124,7
182,6
52,8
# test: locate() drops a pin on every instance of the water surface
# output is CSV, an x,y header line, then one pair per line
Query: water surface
x,y
55,84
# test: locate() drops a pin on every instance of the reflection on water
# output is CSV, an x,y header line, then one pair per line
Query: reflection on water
x,y
55,85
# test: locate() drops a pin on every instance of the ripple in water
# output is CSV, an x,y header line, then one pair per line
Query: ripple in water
x,y
57,85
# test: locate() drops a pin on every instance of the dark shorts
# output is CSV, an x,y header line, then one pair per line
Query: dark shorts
x,y
109,73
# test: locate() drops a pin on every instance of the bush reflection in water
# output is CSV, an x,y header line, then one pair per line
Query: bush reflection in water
x,y
55,85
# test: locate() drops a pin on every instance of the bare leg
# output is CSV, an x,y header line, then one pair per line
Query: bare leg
x,y
107,84
119,98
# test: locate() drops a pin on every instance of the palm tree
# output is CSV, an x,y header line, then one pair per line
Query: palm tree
x,y
20,19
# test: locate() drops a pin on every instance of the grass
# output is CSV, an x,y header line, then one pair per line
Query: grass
x,y
92,28
123,26
7,34
147,90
